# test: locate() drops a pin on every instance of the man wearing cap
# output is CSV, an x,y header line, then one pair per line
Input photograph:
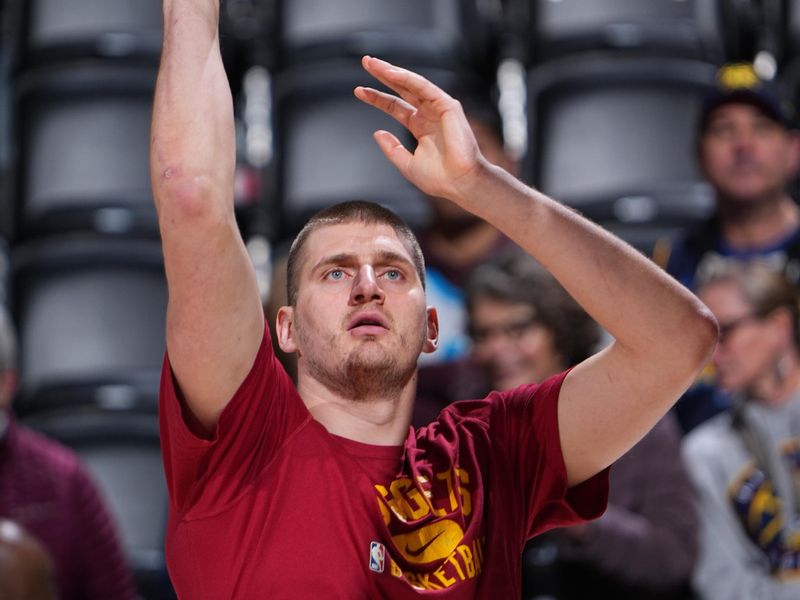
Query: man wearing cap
x,y
748,152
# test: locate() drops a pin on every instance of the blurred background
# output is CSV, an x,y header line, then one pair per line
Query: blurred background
x,y
598,101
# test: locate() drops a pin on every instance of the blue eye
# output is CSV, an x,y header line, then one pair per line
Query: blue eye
x,y
393,275
336,274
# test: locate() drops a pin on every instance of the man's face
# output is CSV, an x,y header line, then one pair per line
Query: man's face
x,y
360,321
745,155
510,345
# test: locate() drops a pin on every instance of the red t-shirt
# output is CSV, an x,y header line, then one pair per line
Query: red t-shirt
x,y
274,506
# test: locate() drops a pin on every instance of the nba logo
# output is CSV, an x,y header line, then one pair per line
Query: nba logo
x,y
377,553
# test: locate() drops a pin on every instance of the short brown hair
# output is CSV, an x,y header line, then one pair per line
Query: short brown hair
x,y
355,211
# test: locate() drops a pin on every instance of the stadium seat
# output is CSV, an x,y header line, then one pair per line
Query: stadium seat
x,y
325,150
614,138
442,33
83,137
55,30
689,28
91,318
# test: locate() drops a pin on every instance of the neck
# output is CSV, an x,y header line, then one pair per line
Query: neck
x,y
381,419
754,224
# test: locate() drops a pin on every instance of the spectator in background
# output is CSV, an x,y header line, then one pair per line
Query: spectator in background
x,y
26,571
525,327
749,154
745,463
46,490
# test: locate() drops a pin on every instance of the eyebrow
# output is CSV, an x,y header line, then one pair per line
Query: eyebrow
x,y
350,259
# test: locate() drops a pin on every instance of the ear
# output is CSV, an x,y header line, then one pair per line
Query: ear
x,y
431,331
284,329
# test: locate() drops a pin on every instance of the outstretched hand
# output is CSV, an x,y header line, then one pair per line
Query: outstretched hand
x,y
447,157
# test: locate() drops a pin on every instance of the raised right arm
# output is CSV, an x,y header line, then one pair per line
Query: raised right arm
x,y
214,318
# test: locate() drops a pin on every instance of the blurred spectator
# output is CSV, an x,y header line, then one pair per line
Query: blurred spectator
x,y
745,463
26,572
46,490
749,154
525,328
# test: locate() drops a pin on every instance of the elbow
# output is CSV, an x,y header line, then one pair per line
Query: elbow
x,y
186,198
687,348
693,347
706,335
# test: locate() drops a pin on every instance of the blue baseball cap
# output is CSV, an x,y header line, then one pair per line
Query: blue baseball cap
x,y
739,83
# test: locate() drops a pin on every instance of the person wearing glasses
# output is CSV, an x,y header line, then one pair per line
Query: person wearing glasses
x,y
523,327
745,462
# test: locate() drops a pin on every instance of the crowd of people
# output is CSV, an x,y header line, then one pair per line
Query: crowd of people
x,y
359,469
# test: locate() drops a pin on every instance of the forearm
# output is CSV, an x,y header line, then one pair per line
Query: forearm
x,y
192,143
663,335
633,300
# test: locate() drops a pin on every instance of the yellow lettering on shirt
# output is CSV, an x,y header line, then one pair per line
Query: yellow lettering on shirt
x,y
466,499
460,565
447,581
433,549
466,556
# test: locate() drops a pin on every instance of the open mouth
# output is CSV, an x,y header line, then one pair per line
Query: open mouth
x,y
368,323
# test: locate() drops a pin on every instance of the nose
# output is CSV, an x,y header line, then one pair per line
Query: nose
x,y
744,138
366,287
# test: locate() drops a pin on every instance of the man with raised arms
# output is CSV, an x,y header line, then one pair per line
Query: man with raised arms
x,y
323,490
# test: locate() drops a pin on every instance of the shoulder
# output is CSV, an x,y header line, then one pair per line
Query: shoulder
x,y
515,406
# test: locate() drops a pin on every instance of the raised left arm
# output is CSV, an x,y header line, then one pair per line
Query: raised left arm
x,y
663,335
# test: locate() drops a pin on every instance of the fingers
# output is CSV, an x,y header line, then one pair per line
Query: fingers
x,y
394,151
408,84
391,105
